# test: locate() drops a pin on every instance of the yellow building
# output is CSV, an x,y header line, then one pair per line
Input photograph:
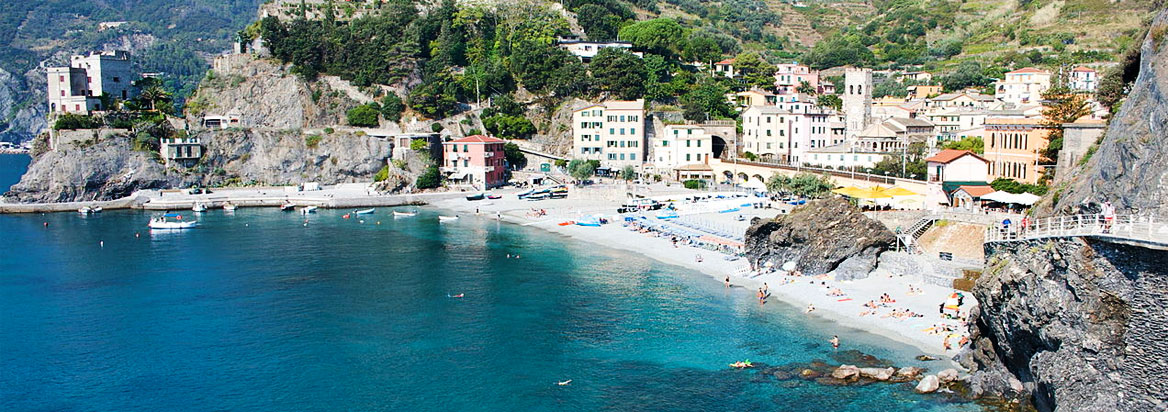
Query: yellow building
x,y
1012,147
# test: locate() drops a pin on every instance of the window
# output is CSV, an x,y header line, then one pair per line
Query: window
x,y
465,148
622,131
61,78
687,157
632,156
611,130
687,143
117,80
622,118
622,156
768,132
768,119
62,93
632,130
664,143
584,150
699,143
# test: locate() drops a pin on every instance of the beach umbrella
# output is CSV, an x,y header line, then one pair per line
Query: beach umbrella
x,y
900,191
755,184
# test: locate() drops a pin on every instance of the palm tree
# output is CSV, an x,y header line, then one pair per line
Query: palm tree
x,y
154,94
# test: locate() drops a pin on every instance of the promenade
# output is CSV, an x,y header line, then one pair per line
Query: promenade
x,y
1143,231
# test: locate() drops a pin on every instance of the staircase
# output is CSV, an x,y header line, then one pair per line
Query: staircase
x,y
908,238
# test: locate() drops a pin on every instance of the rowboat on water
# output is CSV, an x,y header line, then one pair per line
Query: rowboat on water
x,y
307,209
171,221
287,207
404,214
228,207
199,207
86,210
363,212
479,196
447,218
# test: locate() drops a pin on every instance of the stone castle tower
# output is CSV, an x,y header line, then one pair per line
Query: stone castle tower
x,y
857,99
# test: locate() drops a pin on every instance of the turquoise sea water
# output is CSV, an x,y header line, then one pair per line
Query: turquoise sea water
x,y
255,311
11,168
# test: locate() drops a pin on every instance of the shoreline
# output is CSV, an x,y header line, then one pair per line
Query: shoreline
x,y
793,291
337,197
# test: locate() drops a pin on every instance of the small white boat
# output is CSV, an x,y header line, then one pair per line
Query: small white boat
x,y
287,207
171,221
95,210
307,209
228,207
85,210
199,207
447,218
404,214
363,212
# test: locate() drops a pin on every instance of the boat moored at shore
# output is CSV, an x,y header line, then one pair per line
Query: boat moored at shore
x,y
171,221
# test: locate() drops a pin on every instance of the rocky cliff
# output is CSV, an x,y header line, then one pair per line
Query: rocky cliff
x,y
1130,167
1077,323
820,237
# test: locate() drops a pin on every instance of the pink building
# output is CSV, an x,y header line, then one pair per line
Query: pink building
x,y
476,161
788,77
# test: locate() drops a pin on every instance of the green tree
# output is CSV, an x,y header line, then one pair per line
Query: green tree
x,y
509,127
515,158
154,94
662,36
806,88
755,71
581,169
628,173
429,179
707,101
619,72
392,107
694,184
1064,106
811,185
702,49
838,51
967,74
971,143
778,183
598,22
831,100
363,116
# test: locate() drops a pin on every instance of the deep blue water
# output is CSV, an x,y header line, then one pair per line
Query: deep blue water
x,y
11,168
254,311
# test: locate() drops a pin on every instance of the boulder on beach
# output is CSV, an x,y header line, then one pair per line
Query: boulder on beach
x,y
947,375
880,374
829,235
911,372
845,372
928,385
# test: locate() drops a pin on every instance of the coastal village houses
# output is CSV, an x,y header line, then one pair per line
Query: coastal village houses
x,y
788,78
1012,146
475,161
79,87
612,132
681,145
782,133
586,50
1084,79
1022,86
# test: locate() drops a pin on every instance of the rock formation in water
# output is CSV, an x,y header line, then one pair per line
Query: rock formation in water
x,y
1078,324
283,137
822,236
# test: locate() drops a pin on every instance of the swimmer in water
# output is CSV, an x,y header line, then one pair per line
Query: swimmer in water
x,y
564,383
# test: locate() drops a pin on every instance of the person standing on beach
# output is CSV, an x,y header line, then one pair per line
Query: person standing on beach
x,y
834,341
765,289
727,281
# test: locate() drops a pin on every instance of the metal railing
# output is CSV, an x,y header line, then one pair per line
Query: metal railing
x,y
1139,229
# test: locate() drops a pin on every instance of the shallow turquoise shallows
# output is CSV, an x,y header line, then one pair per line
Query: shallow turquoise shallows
x,y
11,168
256,311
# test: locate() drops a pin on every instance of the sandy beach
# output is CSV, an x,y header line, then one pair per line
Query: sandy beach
x,y
844,306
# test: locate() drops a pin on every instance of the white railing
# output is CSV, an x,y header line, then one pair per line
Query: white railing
x,y
1143,229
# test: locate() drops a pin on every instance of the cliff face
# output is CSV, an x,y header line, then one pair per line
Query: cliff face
x,y
1130,168
101,170
822,236
1079,322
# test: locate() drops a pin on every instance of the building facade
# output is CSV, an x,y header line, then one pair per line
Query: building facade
x,y
79,88
1084,79
957,166
612,132
1012,148
475,161
586,50
788,78
1023,86
181,151
681,145
857,99
782,133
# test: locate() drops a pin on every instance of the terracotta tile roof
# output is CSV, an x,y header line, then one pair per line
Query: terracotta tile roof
x,y
478,138
727,61
1083,69
949,155
1028,70
977,191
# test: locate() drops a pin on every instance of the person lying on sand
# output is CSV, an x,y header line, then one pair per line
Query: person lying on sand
x,y
810,308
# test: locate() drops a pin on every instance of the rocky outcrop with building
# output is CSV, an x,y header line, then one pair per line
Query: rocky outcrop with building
x,y
829,235
1130,167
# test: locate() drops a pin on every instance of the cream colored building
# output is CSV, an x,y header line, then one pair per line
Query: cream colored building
x,y
1023,86
681,145
612,132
